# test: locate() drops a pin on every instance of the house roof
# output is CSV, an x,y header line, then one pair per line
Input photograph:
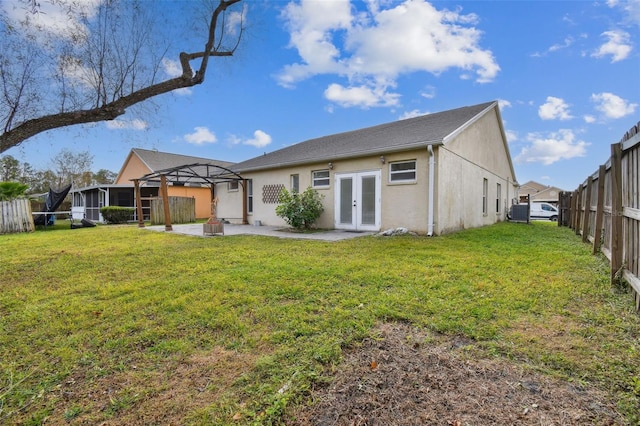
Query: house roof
x,y
156,160
401,135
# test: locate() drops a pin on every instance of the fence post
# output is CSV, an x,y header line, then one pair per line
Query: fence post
x,y
616,213
597,235
573,209
165,203
587,211
578,209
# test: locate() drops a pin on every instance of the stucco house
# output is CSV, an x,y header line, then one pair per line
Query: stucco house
x,y
432,174
539,192
87,201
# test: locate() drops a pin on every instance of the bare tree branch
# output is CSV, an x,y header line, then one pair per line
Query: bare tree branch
x,y
108,109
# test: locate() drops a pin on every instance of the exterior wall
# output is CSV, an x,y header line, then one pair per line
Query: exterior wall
x,y
478,153
402,204
202,196
133,169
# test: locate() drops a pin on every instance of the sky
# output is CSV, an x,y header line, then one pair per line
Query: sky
x,y
566,75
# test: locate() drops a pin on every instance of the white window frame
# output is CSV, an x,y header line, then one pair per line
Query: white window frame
x,y
294,181
393,174
249,195
498,197
230,185
485,196
315,180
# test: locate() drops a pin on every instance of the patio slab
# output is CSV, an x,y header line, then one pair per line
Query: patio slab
x,y
195,229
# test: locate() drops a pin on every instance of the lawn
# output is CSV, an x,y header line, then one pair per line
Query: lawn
x,y
120,325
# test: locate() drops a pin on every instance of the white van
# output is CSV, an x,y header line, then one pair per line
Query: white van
x,y
543,211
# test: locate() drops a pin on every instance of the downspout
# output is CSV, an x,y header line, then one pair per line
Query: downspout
x,y
432,173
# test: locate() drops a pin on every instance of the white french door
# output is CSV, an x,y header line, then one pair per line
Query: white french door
x,y
358,201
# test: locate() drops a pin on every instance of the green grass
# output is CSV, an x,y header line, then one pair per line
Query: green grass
x,y
95,322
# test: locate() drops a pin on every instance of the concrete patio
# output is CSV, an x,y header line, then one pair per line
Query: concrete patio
x,y
195,229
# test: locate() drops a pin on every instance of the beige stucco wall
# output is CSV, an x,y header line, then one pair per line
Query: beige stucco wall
x,y
463,163
402,204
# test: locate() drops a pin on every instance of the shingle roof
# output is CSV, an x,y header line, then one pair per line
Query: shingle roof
x,y
389,137
156,160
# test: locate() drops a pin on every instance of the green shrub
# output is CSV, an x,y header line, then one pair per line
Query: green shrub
x,y
115,214
300,210
12,190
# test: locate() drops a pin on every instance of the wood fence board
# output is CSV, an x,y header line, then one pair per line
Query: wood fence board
x,y
606,211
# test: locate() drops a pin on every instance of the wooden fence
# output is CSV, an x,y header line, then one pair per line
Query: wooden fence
x,y
15,216
605,210
181,210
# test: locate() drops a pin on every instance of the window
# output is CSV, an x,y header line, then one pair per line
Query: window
x,y
485,190
320,178
232,186
295,183
498,196
402,171
249,195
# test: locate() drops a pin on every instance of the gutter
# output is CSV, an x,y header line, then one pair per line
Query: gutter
x,y
432,166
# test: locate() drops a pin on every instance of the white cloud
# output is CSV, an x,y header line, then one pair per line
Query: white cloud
x,y
612,106
412,114
618,46
428,92
56,18
372,48
503,103
631,8
589,119
260,139
135,124
568,41
200,136
512,135
362,96
554,109
548,149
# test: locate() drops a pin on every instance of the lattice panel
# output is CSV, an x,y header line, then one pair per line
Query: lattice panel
x,y
271,193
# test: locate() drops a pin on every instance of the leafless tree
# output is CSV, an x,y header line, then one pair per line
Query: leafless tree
x,y
102,64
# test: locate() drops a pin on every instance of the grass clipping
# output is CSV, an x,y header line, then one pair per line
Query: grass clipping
x,y
405,376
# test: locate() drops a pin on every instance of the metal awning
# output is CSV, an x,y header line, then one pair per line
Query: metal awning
x,y
195,174
199,173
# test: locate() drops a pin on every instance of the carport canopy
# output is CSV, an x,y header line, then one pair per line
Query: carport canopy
x,y
193,174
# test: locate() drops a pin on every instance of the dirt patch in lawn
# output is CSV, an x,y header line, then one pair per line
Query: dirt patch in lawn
x,y
149,394
406,376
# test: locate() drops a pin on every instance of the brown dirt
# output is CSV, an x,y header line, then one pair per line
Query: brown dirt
x,y
409,377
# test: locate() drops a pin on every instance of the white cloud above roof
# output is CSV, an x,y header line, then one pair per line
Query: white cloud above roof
x,y
552,147
618,46
554,109
201,136
612,106
371,48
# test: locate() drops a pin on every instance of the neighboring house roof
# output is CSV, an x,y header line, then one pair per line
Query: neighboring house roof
x,y
401,135
539,192
156,160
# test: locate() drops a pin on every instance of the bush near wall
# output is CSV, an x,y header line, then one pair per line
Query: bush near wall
x,y
115,214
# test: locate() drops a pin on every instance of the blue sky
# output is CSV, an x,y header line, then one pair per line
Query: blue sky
x,y
566,74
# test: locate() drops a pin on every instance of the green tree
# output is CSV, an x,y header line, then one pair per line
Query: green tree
x,y
9,169
104,176
300,211
12,190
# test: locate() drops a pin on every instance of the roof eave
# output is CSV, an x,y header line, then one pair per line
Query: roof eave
x,y
344,156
